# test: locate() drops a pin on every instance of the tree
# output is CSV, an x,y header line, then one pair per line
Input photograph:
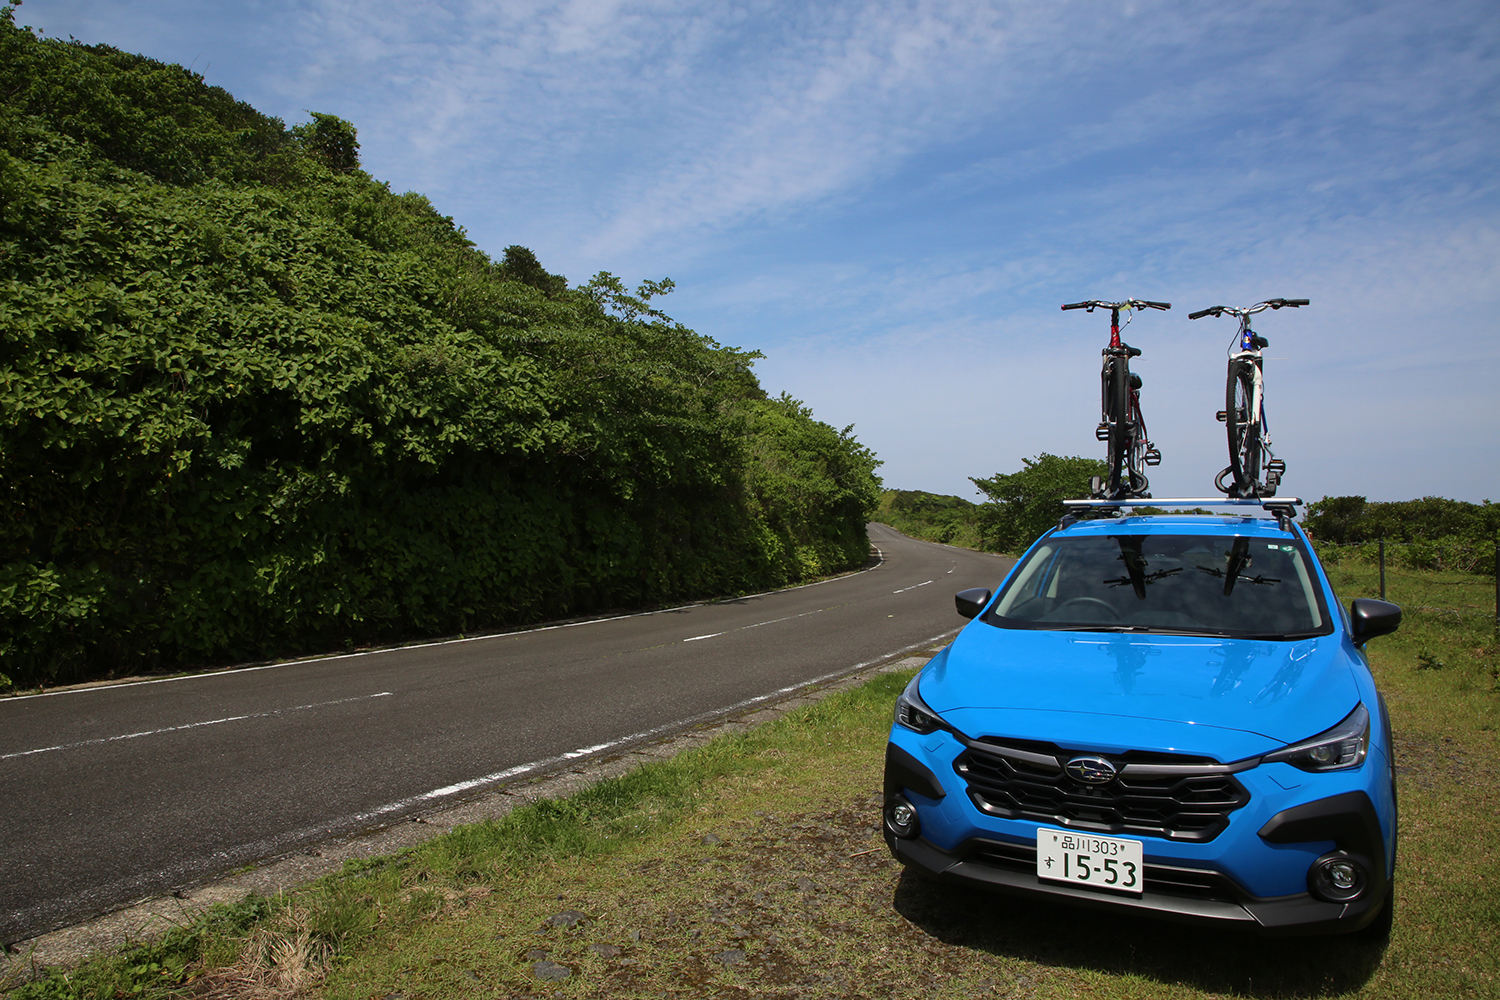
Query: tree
x,y
520,264
1024,504
334,140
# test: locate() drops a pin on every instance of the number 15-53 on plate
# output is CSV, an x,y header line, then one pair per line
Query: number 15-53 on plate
x,y
1084,859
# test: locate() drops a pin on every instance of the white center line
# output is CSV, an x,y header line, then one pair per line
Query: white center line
x,y
913,587
193,725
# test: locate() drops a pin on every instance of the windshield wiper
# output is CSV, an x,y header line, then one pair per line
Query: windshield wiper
x,y
1278,636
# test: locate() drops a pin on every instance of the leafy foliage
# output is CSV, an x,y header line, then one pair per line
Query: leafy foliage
x,y
1024,504
1430,533
1343,520
930,516
253,403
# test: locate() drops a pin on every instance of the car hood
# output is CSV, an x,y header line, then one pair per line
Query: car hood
x,y
1228,698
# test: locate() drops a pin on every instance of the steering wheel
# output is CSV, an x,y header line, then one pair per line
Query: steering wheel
x,y
1092,601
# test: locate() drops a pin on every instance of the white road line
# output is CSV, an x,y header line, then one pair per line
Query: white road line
x,y
912,587
681,724
697,637
192,725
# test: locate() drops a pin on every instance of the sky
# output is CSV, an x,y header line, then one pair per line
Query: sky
x,y
891,200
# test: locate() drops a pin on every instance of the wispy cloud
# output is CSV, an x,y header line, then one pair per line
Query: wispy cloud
x,y
891,198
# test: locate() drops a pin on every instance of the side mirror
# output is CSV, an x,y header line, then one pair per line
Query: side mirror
x,y
1371,618
971,602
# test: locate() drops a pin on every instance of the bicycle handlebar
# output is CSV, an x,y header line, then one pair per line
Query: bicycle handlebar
x,y
1269,303
1127,304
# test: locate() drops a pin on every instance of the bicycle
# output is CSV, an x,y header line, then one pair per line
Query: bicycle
x,y
1244,413
1122,426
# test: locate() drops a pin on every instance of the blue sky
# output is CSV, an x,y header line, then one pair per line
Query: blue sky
x,y
891,200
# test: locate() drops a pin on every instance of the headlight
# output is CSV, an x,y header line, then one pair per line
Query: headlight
x,y
912,713
1340,748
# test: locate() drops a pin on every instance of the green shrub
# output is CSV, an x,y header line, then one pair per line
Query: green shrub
x,y
253,403
1023,505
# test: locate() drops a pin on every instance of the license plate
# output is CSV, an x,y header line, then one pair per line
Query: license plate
x,y
1084,859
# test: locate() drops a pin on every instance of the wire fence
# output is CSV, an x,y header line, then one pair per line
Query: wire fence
x,y
1445,577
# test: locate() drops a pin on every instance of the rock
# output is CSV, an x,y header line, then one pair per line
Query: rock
x,y
709,839
731,957
567,918
536,955
551,972
604,950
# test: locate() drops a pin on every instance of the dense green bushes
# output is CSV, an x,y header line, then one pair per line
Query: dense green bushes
x,y
1022,505
1430,533
254,403
931,516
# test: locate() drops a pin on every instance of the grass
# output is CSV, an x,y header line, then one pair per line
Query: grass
x,y
753,866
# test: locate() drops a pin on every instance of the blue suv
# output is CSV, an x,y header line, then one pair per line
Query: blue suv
x,y
1167,715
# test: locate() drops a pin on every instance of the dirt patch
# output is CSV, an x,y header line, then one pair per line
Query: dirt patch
x,y
1432,762
810,904
771,906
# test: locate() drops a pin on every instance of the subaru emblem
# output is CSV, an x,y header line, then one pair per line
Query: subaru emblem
x,y
1091,770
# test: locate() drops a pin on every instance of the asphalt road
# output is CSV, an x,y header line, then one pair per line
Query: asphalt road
x,y
109,795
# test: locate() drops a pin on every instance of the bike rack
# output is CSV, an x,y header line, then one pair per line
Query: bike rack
x,y
1282,508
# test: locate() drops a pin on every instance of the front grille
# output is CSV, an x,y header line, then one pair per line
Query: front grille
x,y
1166,880
1156,795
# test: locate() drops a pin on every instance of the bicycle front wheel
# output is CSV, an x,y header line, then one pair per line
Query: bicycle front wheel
x,y
1242,419
1135,461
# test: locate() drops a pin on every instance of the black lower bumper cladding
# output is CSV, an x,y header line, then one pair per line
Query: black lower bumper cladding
x,y
1297,914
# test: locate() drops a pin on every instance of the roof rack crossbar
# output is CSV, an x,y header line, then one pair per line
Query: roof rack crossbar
x,y
1266,503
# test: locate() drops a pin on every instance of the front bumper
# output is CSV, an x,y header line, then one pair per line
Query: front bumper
x,y
1190,883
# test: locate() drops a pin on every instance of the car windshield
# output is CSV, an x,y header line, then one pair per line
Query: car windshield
x,y
1232,585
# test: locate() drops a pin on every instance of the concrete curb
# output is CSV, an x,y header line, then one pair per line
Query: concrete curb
x,y
68,946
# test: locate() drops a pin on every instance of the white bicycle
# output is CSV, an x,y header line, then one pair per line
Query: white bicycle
x,y
1244,413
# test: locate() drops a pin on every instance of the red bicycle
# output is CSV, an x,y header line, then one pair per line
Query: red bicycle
x,y
1122,426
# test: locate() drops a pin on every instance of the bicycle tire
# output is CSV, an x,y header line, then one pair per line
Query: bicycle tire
x,y
1135,461
1116,416
1243,427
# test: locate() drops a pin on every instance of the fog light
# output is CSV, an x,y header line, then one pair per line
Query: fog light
x,y
901,818
1337,878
